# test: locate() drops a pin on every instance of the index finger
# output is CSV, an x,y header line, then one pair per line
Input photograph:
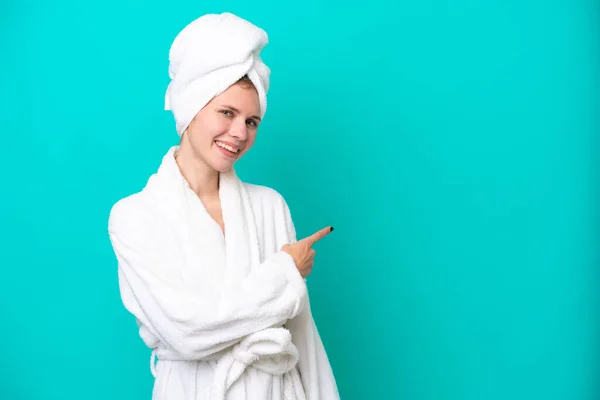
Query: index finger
x,y
315,237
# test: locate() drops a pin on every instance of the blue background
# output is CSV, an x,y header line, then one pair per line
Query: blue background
x,y
453,145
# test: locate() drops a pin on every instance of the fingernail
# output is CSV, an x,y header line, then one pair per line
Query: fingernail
x,y
331,229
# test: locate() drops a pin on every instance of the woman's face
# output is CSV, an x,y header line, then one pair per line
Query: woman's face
x,y
225,128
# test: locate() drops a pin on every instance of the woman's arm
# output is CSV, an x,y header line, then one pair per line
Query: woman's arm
x,y
193,324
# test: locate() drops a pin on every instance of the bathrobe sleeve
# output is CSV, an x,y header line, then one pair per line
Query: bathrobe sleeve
x,y
188,322
315,370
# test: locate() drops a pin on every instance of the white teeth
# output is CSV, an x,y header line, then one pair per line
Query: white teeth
x,y
223,145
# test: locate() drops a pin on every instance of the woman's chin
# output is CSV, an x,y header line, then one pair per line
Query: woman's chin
x,y
223,166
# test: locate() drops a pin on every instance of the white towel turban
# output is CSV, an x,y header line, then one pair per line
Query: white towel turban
x,y
209,55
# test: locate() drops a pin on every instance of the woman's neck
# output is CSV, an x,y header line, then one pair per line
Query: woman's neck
x,y
203,180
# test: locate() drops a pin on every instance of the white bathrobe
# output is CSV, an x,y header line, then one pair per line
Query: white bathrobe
x,y
227,316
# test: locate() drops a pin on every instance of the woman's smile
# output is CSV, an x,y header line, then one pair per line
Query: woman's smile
x,y
227,149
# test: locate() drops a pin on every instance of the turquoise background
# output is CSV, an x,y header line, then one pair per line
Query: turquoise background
x,y
453,145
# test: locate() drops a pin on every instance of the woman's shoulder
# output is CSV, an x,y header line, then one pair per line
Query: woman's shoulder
x,y
265,195
271,208
132,211
268,202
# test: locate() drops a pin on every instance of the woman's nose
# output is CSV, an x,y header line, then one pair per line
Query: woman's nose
x,y
239,130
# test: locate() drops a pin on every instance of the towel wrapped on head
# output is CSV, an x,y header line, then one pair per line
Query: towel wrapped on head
x,y
209,55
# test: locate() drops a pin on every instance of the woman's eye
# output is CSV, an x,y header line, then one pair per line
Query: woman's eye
x,y
227,113
252,123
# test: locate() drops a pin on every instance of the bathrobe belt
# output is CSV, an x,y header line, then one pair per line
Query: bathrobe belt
x,y
270,350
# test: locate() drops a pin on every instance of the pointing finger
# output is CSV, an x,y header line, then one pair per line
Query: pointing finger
x,y
315,237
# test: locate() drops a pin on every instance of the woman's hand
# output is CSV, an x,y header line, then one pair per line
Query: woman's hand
x,y
303,253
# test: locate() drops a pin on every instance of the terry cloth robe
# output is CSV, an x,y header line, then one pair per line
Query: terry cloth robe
x,y
227,315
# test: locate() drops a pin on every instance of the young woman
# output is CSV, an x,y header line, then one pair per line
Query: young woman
x,y
210,266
